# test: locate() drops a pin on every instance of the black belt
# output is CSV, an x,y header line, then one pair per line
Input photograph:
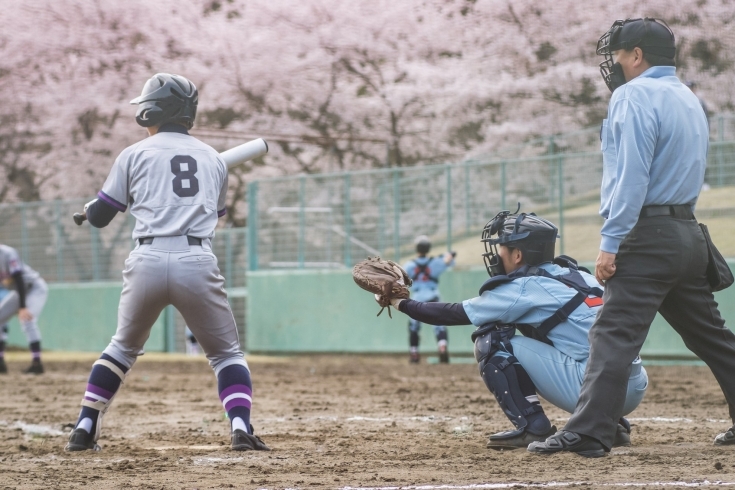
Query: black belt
x,y
676,211
192,240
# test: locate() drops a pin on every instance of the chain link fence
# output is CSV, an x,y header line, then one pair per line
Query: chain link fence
x,y
335,220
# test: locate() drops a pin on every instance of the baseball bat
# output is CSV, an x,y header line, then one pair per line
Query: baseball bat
x,y
234,156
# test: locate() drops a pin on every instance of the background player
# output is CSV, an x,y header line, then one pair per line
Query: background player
x,y
425,272
554,305
176,188
26,297
192,345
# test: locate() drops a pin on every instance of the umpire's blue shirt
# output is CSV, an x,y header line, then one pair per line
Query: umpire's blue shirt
x,y
654,150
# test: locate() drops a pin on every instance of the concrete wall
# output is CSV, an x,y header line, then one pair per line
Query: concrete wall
x,y
82,317
325,311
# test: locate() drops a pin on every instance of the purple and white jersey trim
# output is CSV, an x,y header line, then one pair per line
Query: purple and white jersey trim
x,y
112,202
236,396
222,212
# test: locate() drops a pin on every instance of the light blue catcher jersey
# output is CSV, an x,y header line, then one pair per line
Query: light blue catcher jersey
x,y
531,300
424,287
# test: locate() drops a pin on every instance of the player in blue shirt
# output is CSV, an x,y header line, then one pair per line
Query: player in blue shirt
x,y
425,272
554,304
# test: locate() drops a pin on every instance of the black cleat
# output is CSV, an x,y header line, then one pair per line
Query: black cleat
x,y
444,357
242,441
622,435
81,440
35,368
726,438
415,358
571,442
515,439
3,366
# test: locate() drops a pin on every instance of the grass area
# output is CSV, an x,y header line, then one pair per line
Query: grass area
x,y
582,238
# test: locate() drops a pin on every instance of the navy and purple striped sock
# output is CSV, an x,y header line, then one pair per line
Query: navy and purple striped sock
x,y
236,393
35,348
102,385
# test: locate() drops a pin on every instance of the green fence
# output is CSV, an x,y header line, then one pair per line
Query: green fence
x,y
327,312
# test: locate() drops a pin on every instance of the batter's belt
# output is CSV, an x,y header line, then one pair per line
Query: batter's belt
x,y
192,240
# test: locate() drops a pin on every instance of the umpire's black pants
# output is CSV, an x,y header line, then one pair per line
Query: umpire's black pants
x,y
660,266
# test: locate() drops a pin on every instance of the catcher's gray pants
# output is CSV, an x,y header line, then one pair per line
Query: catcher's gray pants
x,y
171,272
660,267
36,295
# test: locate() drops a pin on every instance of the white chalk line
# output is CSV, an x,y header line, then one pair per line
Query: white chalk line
x,y
481,486
33,429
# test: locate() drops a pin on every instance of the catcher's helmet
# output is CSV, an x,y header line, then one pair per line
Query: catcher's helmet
x,y
167,98
534,236
653,36
423,244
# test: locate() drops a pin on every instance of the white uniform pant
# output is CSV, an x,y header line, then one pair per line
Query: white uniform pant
x,y
36,295
171,272
558,377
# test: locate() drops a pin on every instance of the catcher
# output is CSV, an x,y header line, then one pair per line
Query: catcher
x,y
550,300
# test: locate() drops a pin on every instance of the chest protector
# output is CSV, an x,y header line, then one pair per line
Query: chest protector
x,y
590,295
423,270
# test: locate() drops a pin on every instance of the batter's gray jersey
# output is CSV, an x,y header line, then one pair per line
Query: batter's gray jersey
x,y
10,263
175,185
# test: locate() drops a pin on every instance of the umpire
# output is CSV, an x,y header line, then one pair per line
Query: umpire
x,y
653,255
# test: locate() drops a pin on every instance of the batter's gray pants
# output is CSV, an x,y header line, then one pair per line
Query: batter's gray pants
x,y
660,267
171,272
36,295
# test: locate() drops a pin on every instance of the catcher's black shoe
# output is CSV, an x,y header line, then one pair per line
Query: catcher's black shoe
x,y
571,442
622,435
726,438
3,366
35,368
81,440
515,439
242,441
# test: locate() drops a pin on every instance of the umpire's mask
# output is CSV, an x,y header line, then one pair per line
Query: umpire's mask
x,y
653,36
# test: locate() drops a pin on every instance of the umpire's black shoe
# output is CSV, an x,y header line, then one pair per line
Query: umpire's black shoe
x,y
242,441
726,438
81,440
515,439
3,366
35,368
571,442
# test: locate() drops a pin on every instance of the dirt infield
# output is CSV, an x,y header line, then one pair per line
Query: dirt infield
x,y
336,422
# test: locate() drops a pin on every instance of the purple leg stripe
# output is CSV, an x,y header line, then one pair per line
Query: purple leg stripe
x,y
235,389
99,391
237,402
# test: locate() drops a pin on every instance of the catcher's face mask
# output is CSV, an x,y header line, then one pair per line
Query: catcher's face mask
x,y
651,35
493,261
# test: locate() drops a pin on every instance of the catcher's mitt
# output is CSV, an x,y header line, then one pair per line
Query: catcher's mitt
x,y
384,278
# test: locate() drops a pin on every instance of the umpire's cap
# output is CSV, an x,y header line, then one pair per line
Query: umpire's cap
x,y
653,36
167,98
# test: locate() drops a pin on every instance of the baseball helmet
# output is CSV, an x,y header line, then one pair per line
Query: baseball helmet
x,y
423,244
653,36
535,237
167,98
